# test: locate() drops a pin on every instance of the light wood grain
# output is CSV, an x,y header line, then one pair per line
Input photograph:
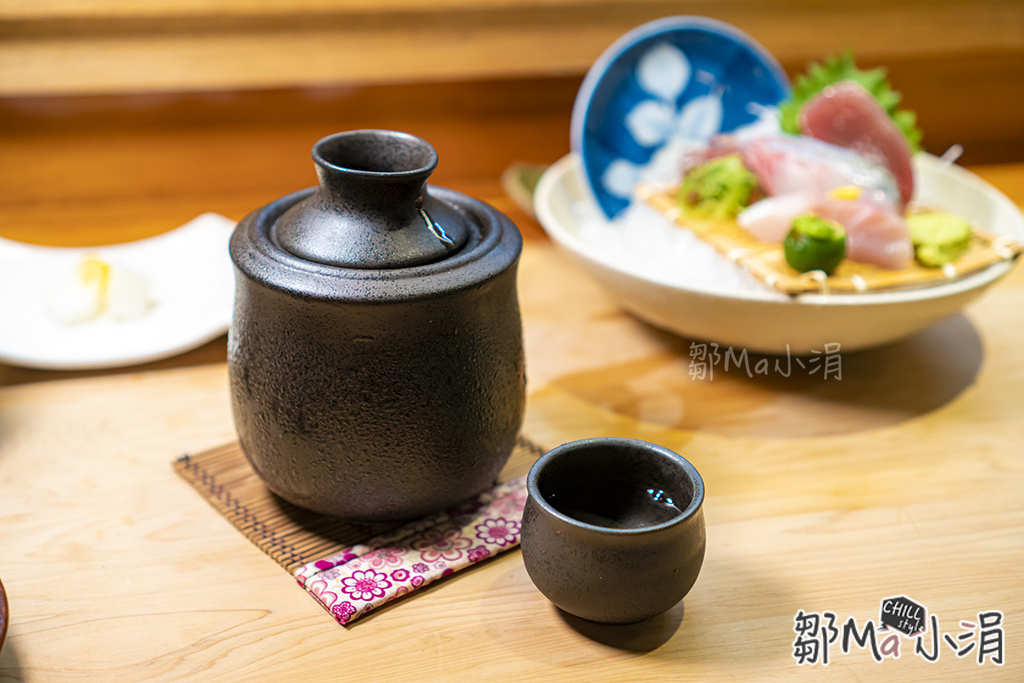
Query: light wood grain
x,y
67,9
117,570
118,46
74,171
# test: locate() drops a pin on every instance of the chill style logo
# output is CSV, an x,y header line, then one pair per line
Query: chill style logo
x,y
904,627
903,614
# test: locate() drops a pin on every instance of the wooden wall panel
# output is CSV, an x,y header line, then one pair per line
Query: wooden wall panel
x,y
106,46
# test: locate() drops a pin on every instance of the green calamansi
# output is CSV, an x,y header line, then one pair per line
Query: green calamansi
x,y
815,243
718,189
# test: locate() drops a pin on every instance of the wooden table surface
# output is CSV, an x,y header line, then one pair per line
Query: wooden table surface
x,y
905,477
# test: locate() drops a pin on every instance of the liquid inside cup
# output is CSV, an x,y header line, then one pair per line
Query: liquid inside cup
x,y
617,503
615,486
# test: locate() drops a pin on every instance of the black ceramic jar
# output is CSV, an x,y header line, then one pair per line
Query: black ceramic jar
x,y
375,356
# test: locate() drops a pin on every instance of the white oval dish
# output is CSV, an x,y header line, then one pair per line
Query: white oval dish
x,y
762,321
190,277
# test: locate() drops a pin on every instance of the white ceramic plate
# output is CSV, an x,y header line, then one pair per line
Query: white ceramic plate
x,y
190,277
761,321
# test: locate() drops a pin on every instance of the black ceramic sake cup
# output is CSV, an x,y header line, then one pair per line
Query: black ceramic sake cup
x,y
613,529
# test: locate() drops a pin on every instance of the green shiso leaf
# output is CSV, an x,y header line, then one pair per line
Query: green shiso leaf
x,y
840,68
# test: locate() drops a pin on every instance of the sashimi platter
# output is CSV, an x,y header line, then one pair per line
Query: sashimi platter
x,y
700,168
826,203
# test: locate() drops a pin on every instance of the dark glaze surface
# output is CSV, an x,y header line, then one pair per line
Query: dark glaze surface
x,y
378,394
370,209
619,562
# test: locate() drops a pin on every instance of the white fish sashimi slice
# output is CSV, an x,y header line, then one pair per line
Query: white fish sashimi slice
x,y
875,234
769,219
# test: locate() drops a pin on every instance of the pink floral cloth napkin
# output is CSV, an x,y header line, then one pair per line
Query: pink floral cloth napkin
x,y
357,580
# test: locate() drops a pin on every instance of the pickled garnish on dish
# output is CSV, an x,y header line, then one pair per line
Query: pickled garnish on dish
x,y
95,288
938,237
719,188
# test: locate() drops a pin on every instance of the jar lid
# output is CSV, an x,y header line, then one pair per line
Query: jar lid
x,y
372,209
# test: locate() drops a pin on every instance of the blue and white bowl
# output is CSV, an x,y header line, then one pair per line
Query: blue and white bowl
x,y
674,79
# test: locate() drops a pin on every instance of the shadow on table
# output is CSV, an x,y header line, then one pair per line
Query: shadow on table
x,y
786,396
640,637
735,604
10,666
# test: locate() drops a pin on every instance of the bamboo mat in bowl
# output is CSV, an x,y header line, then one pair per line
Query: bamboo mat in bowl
x,y
767,262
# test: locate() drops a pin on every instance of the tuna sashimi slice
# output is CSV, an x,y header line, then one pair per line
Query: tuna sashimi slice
x,y
847,115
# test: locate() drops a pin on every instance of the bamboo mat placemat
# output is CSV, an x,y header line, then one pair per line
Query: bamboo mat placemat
x,y
291,535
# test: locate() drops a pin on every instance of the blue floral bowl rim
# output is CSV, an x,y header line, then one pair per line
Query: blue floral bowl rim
x,y
597,71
